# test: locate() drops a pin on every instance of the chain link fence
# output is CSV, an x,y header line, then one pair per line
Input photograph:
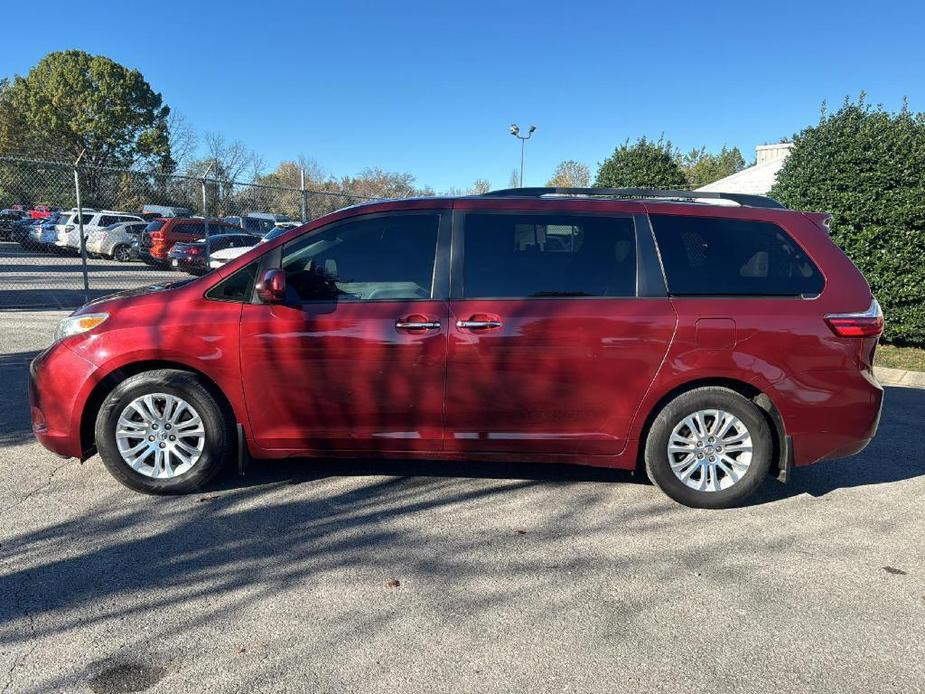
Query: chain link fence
x,y
70,233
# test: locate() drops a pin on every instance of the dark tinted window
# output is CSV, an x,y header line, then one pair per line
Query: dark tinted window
x,y
107,219
520,256
238,287
705,256
388,257
155,225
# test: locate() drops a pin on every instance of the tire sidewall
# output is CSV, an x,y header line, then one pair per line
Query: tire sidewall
x,y
121,250
180,384
656,455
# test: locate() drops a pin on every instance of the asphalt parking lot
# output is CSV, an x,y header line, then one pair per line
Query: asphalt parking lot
x,y
33,279
439,577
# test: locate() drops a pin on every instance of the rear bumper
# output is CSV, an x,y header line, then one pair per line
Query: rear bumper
x,y
844,424
58,381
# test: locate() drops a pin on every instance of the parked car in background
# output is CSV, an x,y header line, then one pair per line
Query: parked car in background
x,y
251,223
162,233
42,211
193,257
28,232
54,238
69,232
115,241
7,218
708,345
222,257
19,231
150,212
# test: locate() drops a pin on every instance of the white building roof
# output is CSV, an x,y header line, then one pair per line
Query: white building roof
x,y
757,179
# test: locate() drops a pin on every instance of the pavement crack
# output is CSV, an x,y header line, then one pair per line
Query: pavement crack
x,y
36,490
20,660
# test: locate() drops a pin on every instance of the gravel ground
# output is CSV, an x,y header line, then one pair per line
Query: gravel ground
x,y
451,577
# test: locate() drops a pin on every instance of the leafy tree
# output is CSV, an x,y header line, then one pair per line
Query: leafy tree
x,y
645,163
376,183
702,167
570,174
73,102
866,166
478,187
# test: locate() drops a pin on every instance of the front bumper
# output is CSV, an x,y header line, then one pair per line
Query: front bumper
x,y
59,382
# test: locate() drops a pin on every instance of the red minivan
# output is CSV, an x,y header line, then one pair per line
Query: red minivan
x,y
711,345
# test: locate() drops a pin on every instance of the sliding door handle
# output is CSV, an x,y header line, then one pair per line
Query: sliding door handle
x,y
478,324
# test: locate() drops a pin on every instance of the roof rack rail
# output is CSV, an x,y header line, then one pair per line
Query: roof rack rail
x,y
743,199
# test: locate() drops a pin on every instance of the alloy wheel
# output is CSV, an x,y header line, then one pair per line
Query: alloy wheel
x,y
160,435
710,450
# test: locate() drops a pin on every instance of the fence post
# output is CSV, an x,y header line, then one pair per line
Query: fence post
x,y
304,196
80,230
205,216
205,212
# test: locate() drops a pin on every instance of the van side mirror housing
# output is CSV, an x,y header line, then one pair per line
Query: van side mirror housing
x,y
271,289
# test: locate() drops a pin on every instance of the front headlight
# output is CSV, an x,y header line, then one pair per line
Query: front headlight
x,y
74,325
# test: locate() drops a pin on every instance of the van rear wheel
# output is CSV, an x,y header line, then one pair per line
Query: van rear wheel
x,y
709,448
163,432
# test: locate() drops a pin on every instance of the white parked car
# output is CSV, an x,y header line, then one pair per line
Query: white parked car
x,y
226,255
115,240
93,220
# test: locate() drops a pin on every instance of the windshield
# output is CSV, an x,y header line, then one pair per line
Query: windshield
x,y
274,233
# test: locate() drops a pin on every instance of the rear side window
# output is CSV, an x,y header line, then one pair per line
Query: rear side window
x,y
706,256
155,225
514,256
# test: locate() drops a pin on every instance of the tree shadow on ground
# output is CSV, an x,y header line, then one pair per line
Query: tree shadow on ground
x,y
15,419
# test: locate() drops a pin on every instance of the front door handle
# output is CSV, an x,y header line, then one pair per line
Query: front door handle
x,y
417,324
478,324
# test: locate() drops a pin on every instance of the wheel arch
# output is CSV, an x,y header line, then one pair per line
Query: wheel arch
x,y
106,385
743,388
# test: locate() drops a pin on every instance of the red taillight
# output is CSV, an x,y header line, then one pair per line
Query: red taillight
x,y
867,323
157,235
194,251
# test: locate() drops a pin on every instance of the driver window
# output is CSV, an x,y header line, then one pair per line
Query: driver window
x,y
389,257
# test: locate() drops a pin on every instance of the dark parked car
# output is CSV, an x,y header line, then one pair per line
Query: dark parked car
x,y
194,257
709,345
7,219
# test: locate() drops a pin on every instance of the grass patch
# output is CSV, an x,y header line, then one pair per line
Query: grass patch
x,y
908,358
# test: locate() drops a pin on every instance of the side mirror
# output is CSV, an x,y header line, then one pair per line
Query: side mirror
x,y
271,289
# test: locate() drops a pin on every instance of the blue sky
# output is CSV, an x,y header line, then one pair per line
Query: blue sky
x,y
432,87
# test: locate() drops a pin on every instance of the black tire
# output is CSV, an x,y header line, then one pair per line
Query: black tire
x,y
657,460
219,431
121,253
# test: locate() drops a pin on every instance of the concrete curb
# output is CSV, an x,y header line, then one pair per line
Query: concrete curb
x,y
899,377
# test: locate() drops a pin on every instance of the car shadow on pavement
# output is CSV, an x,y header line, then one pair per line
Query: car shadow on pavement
x,y
892,456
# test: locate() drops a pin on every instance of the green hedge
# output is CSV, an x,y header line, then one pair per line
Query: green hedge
x,y
866,166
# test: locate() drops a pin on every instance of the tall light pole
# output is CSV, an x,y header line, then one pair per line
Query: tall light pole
x,y
515,131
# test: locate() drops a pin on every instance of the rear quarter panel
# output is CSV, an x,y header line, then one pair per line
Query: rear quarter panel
x,y
821,384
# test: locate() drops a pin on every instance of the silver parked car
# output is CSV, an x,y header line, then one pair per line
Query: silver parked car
x,y
115,241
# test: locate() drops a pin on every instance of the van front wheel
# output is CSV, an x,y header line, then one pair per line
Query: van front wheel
x,y
162,432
